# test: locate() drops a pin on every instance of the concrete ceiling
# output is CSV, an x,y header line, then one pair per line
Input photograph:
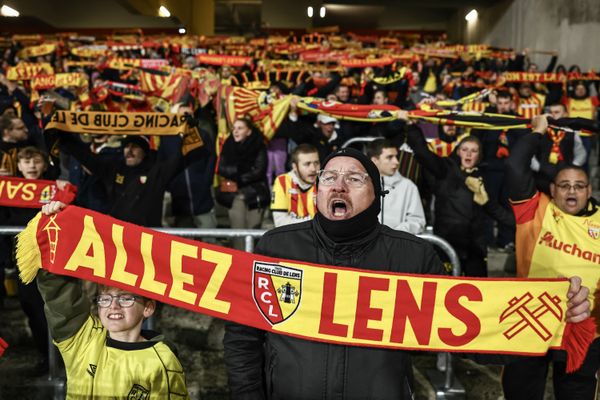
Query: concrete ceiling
x,y
231,16
76,15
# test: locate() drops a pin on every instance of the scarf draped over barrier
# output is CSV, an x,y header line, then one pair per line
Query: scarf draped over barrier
x,y
309,301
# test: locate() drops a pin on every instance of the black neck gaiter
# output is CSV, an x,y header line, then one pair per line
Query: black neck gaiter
x,y
351,229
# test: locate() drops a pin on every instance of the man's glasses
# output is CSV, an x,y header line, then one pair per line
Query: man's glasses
x,y
124,300
352,179
566,187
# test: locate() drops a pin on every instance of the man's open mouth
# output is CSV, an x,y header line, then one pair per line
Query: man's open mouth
x,y
571,201
339,208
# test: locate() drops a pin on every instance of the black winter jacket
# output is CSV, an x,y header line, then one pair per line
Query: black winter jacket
x,y
246,164
135,193
458,219
270,366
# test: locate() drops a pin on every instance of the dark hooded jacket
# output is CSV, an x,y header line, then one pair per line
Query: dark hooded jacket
x,y
458,219
265,365
245,163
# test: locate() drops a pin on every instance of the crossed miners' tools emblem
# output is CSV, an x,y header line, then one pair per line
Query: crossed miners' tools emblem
x,y
529,318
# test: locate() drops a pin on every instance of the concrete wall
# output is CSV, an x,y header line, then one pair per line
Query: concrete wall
x,y
407,17
571,27
285,14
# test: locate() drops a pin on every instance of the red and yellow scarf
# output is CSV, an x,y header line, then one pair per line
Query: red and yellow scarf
x,y
32,193
309,301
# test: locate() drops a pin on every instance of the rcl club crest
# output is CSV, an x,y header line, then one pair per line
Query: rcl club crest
x,y
276,290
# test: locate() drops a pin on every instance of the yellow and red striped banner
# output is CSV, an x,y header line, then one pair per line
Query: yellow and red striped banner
x,y
314,302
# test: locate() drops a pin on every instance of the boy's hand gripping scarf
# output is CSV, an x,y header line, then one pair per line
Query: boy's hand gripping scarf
x,y
309,301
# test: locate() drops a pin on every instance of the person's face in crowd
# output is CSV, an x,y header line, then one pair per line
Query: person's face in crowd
x,y
225,72
387,162
343,94
525,91
9,111
306,168
558,111
580,91
241,131
185,110
341,201
17,132
503,105
331,97
134,154
532,68
380,98
32,167
449,130
123,322
468,152
275,91
416,79
327,129
571,190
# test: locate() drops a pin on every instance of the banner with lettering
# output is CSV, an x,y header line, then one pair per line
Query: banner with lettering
x,y
33,193
74,79
131,63
222,59
366,62
309,301
25,71
37,51
117,123
91,51
547,77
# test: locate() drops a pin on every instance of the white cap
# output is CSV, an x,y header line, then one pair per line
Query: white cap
x,y
326,119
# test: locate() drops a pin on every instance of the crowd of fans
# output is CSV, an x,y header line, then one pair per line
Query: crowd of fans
x,y
452,178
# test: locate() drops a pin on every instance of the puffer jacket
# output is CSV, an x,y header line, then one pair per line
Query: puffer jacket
x,y
245,163
270,366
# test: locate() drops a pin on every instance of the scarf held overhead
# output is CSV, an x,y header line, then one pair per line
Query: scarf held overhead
x,y
116,123
309,301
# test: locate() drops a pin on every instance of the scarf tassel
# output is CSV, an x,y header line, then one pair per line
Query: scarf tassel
x,y
28,254
576,341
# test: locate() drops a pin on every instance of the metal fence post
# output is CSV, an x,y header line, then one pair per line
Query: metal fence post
x,y
445,385
249,244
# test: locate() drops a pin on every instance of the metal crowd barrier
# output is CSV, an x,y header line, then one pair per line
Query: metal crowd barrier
x,y
365,139
445,384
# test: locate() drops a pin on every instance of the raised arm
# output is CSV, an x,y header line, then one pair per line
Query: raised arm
x,y
428,160
520,177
